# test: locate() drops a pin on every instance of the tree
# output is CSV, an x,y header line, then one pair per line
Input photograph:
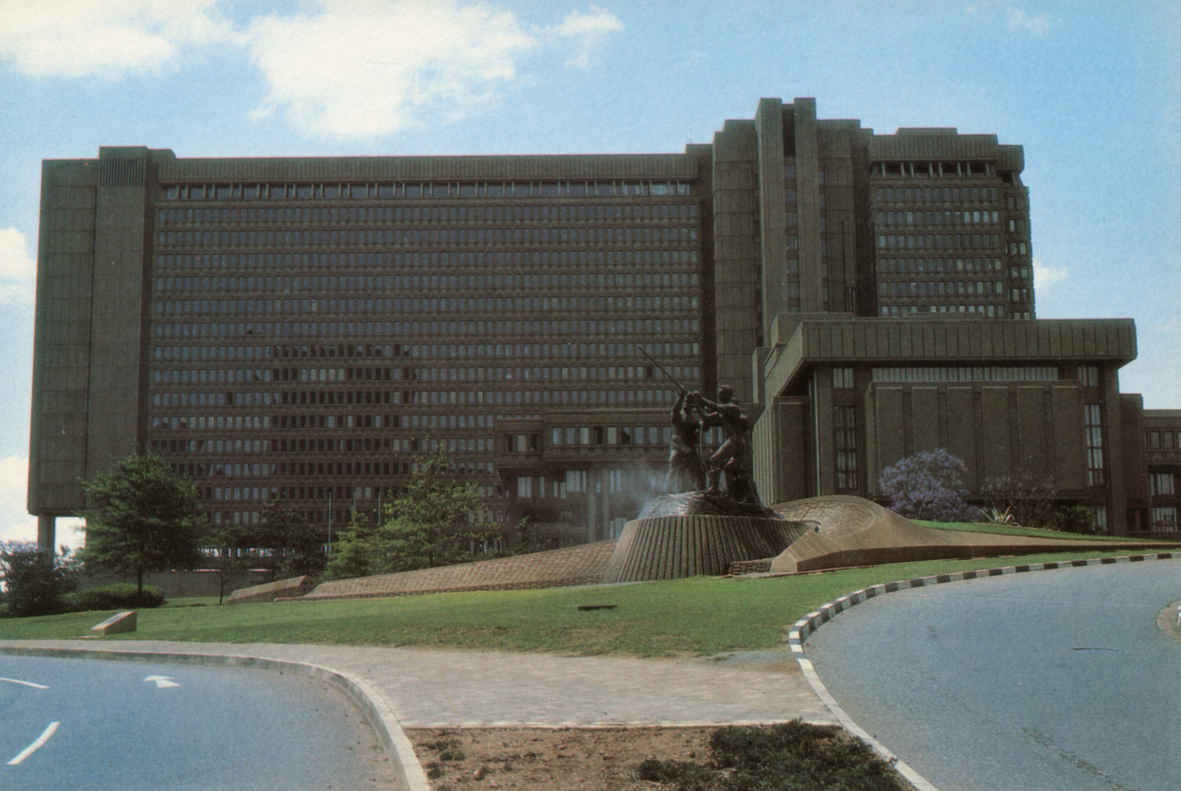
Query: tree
x,y
33,578
927,485
297,543
434,521
142,516
229,541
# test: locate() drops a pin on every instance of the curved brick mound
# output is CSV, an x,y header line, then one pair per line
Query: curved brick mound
x,y
853,531
577,565
670,547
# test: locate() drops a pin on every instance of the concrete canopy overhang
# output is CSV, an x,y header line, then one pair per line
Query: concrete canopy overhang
x,y
799,342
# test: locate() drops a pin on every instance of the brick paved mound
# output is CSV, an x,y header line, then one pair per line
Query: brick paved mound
x,y
853,531
269,591
580,565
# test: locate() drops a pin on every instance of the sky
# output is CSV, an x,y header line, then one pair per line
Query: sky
x,y
1092,90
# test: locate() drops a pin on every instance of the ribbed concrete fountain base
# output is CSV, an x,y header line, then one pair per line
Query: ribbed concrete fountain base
x,y
670,547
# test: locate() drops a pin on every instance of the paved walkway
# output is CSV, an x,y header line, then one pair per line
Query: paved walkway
x,y
433,688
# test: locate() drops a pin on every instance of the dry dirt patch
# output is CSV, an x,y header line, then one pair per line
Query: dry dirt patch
x,y
551,759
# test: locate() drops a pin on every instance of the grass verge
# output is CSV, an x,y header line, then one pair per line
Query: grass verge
x,y
700,616
1018,530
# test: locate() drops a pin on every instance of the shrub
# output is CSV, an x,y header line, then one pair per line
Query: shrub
x,y
119,596
1075,518
34,580
927,485
1029,498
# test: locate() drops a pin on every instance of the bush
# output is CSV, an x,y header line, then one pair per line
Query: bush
x,y
119,596
927,485
34,580
1075,518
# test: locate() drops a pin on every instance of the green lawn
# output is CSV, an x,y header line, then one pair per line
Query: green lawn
x,y
701,616
1018,530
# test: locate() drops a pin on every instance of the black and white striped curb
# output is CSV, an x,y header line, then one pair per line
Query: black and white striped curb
x,y
813,620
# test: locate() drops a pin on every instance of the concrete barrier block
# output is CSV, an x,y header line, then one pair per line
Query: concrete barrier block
x,y
119,622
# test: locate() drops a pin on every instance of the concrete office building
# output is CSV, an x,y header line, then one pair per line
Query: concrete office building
x,y
302,327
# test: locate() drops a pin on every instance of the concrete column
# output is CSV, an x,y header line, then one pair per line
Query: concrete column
x,y
46,538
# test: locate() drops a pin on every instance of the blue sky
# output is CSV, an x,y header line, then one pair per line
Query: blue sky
x,y
1091,90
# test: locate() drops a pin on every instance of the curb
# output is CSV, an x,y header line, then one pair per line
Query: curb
x,y
826,612
407,768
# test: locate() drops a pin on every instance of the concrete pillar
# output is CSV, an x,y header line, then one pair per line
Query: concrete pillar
x,y
46,538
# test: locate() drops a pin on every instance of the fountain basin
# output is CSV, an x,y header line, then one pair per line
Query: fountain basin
x,y
671,547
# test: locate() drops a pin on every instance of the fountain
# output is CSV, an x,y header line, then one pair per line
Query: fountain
x,y
706,529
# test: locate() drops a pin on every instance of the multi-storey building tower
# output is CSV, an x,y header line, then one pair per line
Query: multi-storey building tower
x,y
301,328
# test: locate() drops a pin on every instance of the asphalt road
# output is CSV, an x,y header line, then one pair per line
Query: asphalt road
x,y
94,724
1047,680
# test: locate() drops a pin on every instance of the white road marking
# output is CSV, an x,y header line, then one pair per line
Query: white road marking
x,y
45,736
162,682
24,683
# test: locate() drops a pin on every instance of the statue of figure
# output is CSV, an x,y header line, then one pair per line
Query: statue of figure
x,y
735,456
685,472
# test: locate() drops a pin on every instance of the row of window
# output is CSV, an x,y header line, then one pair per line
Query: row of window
x,y
304,445
941,288
1162,439
319,420
937,169
433,237
845,443
974,373
414,190
163,330
633,480
564,397
421,215
928,196
564,373
434,305
1164,519
939,241
436,262
566,436
1093,442
1162,484
938,219
991,311
471,281
889,265
425,351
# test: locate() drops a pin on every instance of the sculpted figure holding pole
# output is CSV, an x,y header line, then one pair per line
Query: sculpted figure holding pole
x,y
685,471
735,456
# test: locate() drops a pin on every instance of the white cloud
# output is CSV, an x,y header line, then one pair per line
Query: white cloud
x,y
79,38
1017,19
15,523
588,29
361,68
1035,24
1045,276
18,269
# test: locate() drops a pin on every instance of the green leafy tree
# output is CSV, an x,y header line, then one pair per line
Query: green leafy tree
x,y
358,552
434,521
230,542
142,516
298,544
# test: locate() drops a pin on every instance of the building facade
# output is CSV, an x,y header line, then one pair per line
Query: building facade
x,y
302,328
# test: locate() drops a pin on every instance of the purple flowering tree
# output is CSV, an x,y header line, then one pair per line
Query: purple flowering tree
x,y
927,485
